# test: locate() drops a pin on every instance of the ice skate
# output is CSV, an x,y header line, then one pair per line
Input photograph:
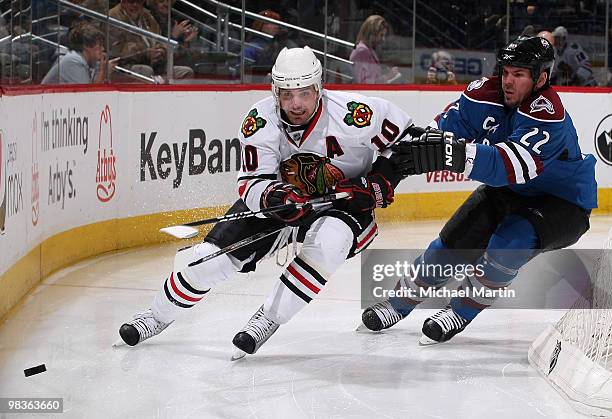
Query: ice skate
x,y
144,326
254,334
378,317
442,326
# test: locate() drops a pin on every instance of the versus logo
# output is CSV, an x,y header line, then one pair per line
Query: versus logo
x,y
2,184
445,176
35,200
106,172
218,160
603,139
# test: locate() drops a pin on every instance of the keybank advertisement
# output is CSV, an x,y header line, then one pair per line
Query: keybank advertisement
x,y
184,148
72,159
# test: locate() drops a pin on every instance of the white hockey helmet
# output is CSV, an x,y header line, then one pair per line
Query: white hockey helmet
x,y
296,68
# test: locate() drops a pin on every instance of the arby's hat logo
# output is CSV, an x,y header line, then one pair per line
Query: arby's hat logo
x,y
106,173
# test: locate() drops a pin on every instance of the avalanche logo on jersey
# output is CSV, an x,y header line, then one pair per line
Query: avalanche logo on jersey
x,y
312,174
542,104
252,123
477,84
360,115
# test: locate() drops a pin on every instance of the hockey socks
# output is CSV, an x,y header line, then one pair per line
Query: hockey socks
x,y
298,286
175,295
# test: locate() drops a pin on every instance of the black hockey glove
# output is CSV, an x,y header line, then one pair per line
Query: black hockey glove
x,y
285,193
366,193
433,150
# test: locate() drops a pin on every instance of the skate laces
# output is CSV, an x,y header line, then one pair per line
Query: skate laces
x,y
259,325
281,242
147,325
449,320
386,313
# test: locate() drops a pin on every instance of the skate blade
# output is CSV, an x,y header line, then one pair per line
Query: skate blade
x,y
239,354
119,343
362,328
425,341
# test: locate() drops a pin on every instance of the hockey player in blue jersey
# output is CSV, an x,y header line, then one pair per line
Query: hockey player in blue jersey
x,y
512,133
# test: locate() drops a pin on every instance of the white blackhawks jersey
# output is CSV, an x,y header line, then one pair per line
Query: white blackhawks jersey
x,y
572,67
346,133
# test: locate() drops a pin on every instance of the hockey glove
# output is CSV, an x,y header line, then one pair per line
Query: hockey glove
x,y
366,193
284,193
433,150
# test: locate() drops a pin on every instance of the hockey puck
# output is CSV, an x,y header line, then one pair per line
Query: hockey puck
x,y
35,370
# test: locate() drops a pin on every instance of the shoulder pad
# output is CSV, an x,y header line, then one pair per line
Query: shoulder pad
x,y
574,45
485,90
543,106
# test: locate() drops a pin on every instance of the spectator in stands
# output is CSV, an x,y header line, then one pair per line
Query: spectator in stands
x,y
366,65
572,65
441,69
258,43
528,13
528,31
16,50
5,50
548,36
86,62
184,32
140,53
261,52
551,39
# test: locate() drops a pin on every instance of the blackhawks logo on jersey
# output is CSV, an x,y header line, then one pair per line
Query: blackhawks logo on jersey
x,y
312,174
360,115
252,123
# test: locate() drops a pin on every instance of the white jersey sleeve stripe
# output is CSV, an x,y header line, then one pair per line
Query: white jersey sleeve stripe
x,y
253,193
527,158
515,163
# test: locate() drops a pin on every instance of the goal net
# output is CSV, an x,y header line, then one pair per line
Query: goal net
x,y
575,355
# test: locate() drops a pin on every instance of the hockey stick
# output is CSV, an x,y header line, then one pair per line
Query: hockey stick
x,y
250,239
241,243
186,231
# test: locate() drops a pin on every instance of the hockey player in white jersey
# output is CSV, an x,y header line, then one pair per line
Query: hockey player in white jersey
x,y
572,65
301,142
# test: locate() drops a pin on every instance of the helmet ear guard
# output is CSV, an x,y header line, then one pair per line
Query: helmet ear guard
x,y
296,68
534,53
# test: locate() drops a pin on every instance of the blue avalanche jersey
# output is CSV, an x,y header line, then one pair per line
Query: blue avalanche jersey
x,y
533,149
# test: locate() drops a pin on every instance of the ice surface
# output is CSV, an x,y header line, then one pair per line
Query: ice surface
x,y
314,366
